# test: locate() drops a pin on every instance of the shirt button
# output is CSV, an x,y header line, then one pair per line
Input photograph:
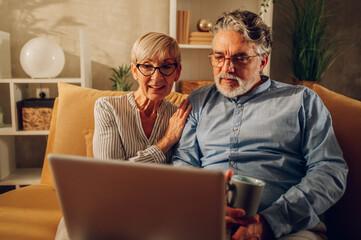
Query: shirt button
x,y
239,105
235,129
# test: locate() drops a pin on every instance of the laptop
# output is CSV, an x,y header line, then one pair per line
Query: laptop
x,y
107,199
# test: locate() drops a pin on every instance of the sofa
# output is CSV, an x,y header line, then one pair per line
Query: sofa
x,y
33,212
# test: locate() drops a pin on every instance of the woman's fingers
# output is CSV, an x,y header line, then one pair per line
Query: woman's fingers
x,y
182,111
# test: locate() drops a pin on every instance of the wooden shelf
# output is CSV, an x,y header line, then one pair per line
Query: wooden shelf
x,y
194,46
23,176
10,132
6,129
41,80
9,173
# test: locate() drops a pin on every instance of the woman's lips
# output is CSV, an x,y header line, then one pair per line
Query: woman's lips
x,y
157,86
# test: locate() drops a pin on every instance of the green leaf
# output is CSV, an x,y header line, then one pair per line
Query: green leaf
x,y
120,78
314,49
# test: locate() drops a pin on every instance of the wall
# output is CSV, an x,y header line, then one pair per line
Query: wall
x,y
344,76
113,26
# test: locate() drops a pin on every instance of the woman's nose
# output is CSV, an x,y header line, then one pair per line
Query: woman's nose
x,y
157,74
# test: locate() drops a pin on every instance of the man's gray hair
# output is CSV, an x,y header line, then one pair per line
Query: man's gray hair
x,y
250,25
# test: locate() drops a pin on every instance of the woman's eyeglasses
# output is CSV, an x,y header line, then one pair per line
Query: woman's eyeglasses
x,y
166,70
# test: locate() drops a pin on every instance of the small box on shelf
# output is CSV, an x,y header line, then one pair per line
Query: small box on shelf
x,y
35,114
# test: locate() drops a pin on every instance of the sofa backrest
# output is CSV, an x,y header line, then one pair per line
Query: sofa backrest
x,y
342,219
73,120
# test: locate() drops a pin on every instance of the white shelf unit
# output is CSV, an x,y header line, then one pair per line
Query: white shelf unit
x,y
9,173
195,57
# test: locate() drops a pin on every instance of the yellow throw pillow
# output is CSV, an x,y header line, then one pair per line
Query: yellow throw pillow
x,y
75,114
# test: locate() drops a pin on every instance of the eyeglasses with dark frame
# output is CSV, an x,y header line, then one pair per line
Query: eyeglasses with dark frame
x,y
148,70
218,60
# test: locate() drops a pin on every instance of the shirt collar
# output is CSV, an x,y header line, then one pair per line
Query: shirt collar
x,y
255,91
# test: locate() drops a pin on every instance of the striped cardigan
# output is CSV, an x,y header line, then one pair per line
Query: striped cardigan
x,y
118,132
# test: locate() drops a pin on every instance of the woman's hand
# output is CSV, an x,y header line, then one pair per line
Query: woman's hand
x,y
175,127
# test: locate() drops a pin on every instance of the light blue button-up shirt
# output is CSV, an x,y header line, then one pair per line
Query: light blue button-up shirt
x,y
279,133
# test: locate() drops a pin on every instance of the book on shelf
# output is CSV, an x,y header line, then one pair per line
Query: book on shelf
x,y
201,34
200,38
183,17
200,43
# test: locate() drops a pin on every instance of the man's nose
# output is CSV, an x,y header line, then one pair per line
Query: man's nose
x,y
228,65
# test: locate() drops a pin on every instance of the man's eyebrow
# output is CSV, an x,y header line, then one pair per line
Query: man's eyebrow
x,y
239,54
216,52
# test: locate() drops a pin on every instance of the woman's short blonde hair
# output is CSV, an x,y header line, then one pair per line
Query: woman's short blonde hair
x,y
154,44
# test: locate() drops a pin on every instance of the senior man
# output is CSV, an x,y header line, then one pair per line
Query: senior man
x,y
255,126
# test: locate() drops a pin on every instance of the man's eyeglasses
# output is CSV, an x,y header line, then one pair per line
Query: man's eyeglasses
x,y
166,70
217,60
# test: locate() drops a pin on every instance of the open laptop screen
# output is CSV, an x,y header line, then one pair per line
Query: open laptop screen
x,y
106,199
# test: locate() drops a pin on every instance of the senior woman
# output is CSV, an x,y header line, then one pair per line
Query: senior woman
x,y
141,126
135,126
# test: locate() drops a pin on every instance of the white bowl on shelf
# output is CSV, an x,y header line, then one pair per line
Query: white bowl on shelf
x,y
42,58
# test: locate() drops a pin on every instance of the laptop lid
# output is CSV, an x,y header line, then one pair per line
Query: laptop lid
x,y
106,199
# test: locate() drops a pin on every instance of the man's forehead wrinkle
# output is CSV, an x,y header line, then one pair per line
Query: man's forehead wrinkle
x,y
233,55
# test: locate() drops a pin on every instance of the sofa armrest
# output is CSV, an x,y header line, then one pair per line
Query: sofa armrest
x,y
31,213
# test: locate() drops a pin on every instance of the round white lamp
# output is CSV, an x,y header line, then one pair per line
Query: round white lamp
x,y
41,58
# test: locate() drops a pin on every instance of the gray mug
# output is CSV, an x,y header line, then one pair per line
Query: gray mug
x,y
245,193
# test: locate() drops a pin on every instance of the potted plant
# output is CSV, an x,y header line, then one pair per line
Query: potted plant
x,y
314,50
120,78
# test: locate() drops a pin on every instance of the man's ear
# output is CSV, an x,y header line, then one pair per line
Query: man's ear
x,y
134,72
178,71
264,61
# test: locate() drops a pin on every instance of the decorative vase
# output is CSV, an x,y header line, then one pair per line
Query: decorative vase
x,y
204,25
41,58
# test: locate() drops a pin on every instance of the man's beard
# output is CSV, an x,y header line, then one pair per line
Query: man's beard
x,y
243,85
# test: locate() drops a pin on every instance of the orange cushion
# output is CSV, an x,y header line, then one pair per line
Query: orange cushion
x,y
31,213
75,114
